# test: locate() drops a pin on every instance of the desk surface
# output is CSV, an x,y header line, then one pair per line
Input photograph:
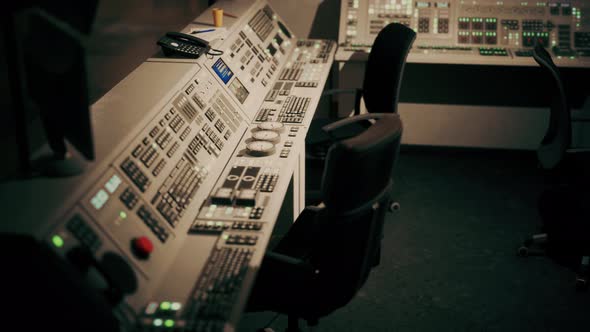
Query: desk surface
x,y
189,160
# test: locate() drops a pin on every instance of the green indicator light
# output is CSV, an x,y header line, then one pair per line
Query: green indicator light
x,y
123,215
57,241
176,306
158,322
225,237
169,323
165,305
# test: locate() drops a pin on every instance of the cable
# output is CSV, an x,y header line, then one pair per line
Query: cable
x,y
214,52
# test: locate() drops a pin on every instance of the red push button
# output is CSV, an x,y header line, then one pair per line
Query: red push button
x,y
142,247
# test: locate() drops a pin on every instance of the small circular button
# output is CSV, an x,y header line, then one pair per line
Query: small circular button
x,y
142,247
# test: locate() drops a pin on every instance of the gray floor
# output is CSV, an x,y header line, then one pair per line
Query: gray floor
x,y
448,260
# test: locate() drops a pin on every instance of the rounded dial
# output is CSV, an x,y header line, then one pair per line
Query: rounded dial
x,y
260,148
266,135
271,125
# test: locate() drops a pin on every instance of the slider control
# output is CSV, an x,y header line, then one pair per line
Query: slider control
x,y
246,197
223,196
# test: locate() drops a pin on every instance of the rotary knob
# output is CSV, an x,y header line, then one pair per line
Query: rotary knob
x,y
272,125
260,148
267,135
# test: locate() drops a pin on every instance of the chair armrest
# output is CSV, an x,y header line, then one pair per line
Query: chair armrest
x,y
354,119
287,262
578,150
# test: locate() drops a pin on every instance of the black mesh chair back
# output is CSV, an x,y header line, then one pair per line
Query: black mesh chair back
x,y
356,186
558,136
385,68
327,254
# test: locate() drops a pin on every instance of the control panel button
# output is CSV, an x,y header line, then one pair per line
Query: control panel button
x,y
142,247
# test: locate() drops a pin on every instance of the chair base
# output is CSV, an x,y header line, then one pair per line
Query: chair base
x,y
533,246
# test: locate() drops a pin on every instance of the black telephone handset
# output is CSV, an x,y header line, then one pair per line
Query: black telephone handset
x,y
180,44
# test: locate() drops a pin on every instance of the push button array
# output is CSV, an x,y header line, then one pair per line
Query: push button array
x,y
135,174
129,198
217,288
83,233
242,240
154,225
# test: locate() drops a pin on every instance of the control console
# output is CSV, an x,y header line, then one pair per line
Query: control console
x,y
189,198
475,32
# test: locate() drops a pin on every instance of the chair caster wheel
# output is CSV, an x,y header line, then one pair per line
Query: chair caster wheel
x,y
394,206
523,251
581,284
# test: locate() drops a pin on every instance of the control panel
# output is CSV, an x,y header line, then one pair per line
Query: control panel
x,y
206,169
502,30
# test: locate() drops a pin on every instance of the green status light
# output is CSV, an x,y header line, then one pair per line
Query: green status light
x,y
169,323
123,215
158,322
57,241
165,305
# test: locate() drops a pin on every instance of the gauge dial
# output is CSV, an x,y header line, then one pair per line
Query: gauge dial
x,y
267,135
271,125
260,148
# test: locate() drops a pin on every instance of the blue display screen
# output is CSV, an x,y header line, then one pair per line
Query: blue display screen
x,y
222,70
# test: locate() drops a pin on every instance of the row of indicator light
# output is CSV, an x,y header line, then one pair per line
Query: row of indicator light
x,y
152,307
164,308
535,34
158,322
228,211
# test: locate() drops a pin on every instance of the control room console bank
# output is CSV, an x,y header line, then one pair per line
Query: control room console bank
x,y
472,63
194,158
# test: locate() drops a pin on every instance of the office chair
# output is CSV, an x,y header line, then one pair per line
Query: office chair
x,y
327,254
570,235
380,89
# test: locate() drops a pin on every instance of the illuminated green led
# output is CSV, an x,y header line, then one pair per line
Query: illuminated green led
x,y
123,215
165,305
57,241
176,306
225,236
169,323
158,322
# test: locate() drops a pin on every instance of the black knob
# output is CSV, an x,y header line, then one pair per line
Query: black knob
x,y
120,272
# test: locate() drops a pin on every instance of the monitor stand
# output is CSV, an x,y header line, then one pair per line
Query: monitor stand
x,y
54,163
55,166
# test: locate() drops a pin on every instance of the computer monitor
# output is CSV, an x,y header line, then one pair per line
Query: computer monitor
x,y
48,75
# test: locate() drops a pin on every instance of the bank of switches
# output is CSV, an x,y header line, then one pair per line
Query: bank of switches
x,y
176,193
212,300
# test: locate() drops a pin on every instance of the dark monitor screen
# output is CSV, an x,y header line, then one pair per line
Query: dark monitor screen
x,y
54,62
44,46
